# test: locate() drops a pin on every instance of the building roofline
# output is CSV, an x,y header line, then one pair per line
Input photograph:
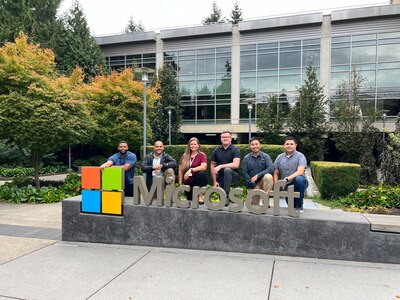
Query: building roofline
x,y
209,29
283,21
149,36
305,19
365,12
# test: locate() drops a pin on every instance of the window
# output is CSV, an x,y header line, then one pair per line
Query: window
x,y
377,59
205,79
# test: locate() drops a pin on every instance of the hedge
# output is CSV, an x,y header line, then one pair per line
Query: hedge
x,y
176,152
335,179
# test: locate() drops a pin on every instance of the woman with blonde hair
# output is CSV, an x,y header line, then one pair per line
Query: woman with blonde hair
x,y
192,165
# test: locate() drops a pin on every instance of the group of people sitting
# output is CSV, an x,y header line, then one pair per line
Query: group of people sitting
x,y
258,170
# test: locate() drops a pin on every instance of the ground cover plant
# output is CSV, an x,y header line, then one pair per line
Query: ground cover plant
x,y
23,190
374,199
25,171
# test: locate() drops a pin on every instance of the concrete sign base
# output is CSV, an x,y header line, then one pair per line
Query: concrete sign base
x,y
316,233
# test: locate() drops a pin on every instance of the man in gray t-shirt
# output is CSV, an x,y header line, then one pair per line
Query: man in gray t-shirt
x,y
291,166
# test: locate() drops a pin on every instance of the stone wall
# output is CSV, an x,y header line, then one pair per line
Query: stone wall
x,y
318,234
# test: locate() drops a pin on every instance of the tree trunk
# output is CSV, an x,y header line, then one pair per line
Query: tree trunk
x,y
36,160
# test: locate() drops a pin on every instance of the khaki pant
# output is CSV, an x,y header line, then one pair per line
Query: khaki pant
x,y
169,177
266,184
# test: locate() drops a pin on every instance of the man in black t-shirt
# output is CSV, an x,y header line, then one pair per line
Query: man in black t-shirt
x,y
225,161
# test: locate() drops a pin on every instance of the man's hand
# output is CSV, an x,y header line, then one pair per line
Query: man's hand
x,y
158,167
216,184
254,178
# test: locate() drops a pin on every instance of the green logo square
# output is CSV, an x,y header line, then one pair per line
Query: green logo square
x,y
112,179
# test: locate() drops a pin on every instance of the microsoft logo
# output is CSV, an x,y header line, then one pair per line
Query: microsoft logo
x,y
102,191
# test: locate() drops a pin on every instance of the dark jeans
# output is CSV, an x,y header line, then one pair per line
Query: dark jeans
x,y
128,191
200,179
228,178
300,185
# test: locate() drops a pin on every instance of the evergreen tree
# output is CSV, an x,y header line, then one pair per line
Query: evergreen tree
x,y
215,16
236,14
76,46
270,119
132,26
36,18
308,118
169,96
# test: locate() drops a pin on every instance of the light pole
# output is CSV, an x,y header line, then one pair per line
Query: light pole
x,y
383,124
69,159
250,107
145,78
169,123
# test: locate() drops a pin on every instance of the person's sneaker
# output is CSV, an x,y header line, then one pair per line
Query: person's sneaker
x,y
300,209
169,179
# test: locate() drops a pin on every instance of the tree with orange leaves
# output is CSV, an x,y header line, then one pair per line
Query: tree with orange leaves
x,y
40,111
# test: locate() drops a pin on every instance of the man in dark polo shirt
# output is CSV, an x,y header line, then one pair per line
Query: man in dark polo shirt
x,y
225,161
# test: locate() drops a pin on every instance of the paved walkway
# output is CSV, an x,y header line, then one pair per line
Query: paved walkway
x,y
34,264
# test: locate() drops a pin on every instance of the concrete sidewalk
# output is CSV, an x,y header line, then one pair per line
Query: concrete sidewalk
x,y
41,267
94,271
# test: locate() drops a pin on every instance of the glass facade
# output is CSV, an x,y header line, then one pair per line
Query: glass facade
x,y
275,68
204,77
116,63
376,57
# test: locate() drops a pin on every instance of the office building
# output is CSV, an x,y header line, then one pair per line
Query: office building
x,y
220,65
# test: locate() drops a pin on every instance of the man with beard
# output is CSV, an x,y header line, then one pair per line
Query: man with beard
x,y
126,160
159,163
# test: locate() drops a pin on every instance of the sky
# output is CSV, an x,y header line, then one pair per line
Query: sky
x,y
107,17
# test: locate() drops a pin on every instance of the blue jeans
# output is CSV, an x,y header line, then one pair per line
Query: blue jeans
x,y
300,185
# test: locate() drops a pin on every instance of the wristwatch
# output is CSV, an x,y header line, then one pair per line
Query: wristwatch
x,y
191,170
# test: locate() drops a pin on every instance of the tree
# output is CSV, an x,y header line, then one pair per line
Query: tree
x,y
40,112
132,26
348,115
370,143
168,90
36,18
391,157
116,103
270,120
236,14
308,117
76,46
215,16
356,138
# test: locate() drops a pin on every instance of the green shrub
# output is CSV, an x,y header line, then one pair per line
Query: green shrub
x,y
91,161
335,179
374,196
14,192
176,152
24,172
